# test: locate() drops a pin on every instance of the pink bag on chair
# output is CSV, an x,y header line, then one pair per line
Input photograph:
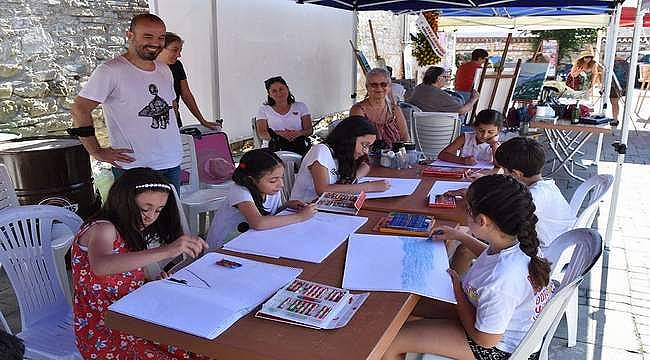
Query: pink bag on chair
x,y
214,157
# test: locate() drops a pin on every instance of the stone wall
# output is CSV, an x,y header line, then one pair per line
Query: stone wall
x,y
48,48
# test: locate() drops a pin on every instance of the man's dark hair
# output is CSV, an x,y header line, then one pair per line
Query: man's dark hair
x,y
141,17
523,154
479,54
432,74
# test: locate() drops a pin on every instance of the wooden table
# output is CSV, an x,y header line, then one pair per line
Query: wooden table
x,y
367,336
418,202
566,140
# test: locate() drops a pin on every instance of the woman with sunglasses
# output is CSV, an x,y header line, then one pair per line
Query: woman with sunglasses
x,y
283,121
381,109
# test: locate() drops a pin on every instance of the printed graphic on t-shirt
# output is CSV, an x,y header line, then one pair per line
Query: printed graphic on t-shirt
x,y
157,110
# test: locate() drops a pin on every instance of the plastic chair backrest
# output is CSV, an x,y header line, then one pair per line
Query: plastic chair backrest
x,y
408,110
292,162
181,213
256,137
7,191
598,186
214,160
434,131
583,247
28,259
188,163
545,325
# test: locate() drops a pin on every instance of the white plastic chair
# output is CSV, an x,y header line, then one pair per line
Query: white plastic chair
x,y
194,199
61,236
582,248
408,110
292,162
28,259
434,131
598,186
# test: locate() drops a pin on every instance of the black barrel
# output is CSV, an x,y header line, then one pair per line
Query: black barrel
x,y
51,171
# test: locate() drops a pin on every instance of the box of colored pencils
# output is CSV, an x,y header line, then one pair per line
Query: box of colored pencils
x,y
341,202
406,224
445,172
312,305
442,201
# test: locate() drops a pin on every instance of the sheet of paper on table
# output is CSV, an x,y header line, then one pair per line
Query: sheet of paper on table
x,y
398,187
213,297
478,165
311,240
398,263
440,187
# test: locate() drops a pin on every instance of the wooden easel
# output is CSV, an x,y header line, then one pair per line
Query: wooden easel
x,y
361,59
381,63
498,76
644,78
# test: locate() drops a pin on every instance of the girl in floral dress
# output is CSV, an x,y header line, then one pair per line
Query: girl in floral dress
x,y
108,255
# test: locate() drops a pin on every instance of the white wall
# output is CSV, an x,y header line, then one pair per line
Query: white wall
x,y
306,44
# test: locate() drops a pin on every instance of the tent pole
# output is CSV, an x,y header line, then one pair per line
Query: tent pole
x,y
621,146
355,32
610,53
214,62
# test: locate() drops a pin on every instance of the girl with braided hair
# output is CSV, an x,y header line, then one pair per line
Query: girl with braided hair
x,y
502,293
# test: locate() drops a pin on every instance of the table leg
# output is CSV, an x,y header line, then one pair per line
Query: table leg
x,y
565,154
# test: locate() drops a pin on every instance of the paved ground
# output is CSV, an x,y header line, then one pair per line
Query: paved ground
x,y
614,315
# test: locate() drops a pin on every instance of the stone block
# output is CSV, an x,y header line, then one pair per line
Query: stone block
x,y
58,88
75,68
9,70
46,75
8,110
31,89
56,122
6,89
40,107
66,102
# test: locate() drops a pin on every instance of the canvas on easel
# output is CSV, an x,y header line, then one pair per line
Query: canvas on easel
x,y
530,81
361,59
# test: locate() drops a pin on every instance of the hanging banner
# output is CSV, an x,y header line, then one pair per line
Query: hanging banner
x,y
550,51
423,26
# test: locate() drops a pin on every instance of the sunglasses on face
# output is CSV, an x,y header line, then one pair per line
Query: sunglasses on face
x,y
272,80
377,85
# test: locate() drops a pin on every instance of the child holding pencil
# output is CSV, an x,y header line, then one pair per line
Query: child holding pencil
x,y
477,145
338,162
503,292
255,198
109,254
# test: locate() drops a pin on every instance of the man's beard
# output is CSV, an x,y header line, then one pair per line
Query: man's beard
x,y
148,55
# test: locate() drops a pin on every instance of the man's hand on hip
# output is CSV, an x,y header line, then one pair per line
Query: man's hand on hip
x,y
111,155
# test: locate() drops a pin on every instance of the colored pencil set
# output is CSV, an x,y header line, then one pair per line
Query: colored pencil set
x,y
304,307
316,291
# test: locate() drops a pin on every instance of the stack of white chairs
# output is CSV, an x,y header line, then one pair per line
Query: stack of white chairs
x,y
292,163
434,131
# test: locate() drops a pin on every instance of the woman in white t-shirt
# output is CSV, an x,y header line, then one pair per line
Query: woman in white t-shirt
x,y
284,122
502,293
254,198
335,164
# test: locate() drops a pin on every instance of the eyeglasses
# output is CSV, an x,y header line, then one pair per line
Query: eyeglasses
x,y
376,85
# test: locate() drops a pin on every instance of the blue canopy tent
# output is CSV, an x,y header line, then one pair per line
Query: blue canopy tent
x,y
510,8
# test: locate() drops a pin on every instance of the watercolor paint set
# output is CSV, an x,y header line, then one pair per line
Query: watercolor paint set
x,y
399,223
341,202
312,304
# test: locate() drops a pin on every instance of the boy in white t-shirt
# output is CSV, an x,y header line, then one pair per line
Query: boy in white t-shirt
x,y
255,198
524,158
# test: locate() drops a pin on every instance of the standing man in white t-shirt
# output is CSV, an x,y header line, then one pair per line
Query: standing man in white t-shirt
x,y
136,93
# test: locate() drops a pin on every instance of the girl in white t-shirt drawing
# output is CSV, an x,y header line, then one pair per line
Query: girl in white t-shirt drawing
x,y
477,145
255,198
501,294
336,164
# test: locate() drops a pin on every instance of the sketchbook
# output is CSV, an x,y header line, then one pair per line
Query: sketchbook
x,y
398,187
313,305
341,202
478,165
208,296
311,240
398,263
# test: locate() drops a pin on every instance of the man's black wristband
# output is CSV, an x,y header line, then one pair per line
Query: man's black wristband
x,y
84,131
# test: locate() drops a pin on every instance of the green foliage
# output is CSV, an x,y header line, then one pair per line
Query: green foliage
x,y
570,41
422,50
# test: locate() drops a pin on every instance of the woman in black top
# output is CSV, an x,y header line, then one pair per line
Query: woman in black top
x,y
170,55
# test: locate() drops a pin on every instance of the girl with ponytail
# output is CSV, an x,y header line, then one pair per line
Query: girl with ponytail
x,y
255,198
504,290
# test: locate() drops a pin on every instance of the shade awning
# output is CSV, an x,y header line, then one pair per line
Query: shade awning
x,y
526,7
